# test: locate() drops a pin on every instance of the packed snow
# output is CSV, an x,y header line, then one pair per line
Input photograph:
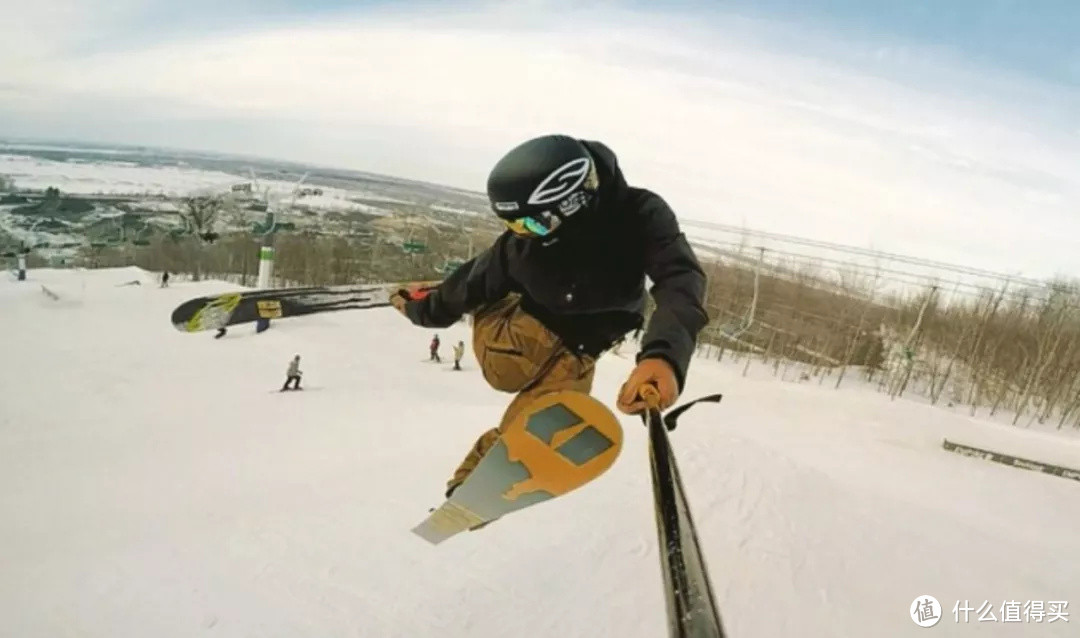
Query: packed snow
x,y
155,483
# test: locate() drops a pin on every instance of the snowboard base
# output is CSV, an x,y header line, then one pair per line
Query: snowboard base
x,y
558,444
213,312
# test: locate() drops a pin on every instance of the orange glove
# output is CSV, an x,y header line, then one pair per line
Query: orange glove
x,y
403,296
650,371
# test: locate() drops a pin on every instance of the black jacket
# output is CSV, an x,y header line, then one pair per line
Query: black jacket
x,y
588,286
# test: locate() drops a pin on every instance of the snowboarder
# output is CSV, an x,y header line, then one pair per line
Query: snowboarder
x,y
459,351
293,374
567,279
434,347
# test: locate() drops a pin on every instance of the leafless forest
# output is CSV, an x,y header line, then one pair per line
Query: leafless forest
x,y
816,312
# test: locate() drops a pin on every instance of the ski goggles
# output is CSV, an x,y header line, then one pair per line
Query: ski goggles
x,y
540,225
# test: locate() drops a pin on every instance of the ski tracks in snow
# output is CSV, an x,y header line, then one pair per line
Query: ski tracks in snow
x,y
760,534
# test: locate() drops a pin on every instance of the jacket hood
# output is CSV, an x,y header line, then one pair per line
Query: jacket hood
x,y
612,182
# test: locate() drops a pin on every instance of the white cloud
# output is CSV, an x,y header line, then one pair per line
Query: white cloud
x,y
39,30
725,127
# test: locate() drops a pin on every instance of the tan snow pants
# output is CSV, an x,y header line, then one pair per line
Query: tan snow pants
x,y
517,354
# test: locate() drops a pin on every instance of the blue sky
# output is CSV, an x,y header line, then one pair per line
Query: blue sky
x,y
1034,37
1031,37
946,129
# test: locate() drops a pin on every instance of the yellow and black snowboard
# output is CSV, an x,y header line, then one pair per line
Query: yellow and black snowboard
x,y
561,442
212,312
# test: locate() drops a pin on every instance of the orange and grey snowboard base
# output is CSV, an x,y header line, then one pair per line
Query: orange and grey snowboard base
x,y
559,443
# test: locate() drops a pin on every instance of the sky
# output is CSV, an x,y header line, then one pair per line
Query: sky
x,y
948,130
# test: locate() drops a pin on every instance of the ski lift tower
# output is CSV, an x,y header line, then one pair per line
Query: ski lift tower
x,y
24,250
268,230
21,258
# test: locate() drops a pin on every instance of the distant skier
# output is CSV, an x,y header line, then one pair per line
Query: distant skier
x,y
293,374
434,347
567,279
459,351
221,332
165,279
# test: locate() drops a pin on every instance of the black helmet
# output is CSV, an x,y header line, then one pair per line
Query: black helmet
x,y
540,183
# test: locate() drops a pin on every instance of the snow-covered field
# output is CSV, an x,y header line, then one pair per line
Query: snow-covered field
x,y
119,178
110,177
154,483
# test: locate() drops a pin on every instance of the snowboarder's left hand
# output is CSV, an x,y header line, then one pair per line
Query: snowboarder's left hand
x,y
399,299
656,372
403,296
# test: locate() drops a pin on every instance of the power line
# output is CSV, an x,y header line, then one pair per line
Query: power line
x,y
877,273
866,252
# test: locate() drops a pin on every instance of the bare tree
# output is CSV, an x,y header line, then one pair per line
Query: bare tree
x,y
200,214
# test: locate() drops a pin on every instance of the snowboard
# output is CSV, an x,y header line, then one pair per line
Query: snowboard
x,y
559,443
212,312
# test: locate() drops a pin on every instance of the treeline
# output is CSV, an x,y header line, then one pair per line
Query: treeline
x,y
1009,349
299,258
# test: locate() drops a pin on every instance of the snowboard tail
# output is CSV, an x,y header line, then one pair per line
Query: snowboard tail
x,y
559,443
212,312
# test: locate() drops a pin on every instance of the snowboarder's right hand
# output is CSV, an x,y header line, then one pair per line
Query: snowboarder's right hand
x,y
652,371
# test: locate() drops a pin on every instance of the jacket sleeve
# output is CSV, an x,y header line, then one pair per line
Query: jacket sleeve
x,y
678,289
481,280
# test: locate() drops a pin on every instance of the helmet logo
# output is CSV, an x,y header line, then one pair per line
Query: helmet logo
x,y
573,203
561,182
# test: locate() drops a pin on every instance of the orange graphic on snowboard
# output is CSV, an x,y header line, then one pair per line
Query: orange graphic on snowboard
x,y
559,443
565,440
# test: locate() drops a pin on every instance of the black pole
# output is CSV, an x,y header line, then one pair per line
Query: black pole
x,y
691,604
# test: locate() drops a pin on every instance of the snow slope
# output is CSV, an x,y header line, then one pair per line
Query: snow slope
x,y
153,483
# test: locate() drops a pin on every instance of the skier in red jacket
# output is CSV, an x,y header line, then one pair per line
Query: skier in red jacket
x,y
434,347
